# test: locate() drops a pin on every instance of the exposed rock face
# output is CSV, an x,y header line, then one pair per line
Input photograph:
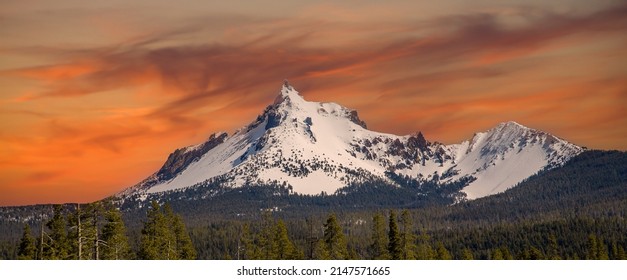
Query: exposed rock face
x,y
181,158
354,117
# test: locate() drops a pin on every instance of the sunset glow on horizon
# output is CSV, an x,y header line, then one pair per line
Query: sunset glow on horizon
x,y
94,96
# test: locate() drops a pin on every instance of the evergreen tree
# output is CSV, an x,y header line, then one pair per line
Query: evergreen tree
x,y
602,250
334,239
553,253
58,247
424,250
27,248
265,239
408,238
621,254
614,251
467,254
507,255
593,248
182,242
442,252
157,240
321,251
394,240
247,246
114,236
284,249
378,245
536,254
496,254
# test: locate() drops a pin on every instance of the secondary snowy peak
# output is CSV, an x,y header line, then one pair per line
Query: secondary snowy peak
x,y
509,153
315,147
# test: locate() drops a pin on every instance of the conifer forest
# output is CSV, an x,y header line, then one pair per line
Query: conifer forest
x,y
575,212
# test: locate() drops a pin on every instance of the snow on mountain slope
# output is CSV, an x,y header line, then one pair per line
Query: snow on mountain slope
x,y
509,153
318,147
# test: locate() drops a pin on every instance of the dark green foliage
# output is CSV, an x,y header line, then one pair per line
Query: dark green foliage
x,y
424,250
284,249
408,238
466,254
506,254
496,254
245,248
157,240
378,245
553,252
593,248
442,253
602,250
55,242
265,239
183,244
27,249
394,239
114,237
334,240
574,212
164,236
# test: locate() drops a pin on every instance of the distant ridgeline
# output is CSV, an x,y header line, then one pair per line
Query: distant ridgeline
x,y
576,211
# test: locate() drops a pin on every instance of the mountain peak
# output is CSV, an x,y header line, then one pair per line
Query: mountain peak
x,y
511,124
316,146
288,93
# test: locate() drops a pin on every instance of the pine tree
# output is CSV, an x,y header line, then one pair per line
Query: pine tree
x,y
378,245
27,248
602,250
157,240
183,247
553,253
394,240
467,254
442,252
408,239
535,254
114,236
621,254
507,255
321,252
58,247
334,239
284,248
247,246
424,250
614,251
496,254
593,248
265,239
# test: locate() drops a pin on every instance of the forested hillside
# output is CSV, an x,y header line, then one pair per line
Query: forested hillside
x,y
574,212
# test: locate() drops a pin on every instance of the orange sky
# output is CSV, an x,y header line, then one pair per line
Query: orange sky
x,y
94,96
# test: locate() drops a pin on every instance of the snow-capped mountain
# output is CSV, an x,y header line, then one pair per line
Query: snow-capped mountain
x,y
315,147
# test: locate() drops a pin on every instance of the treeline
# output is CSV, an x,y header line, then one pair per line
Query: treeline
x,y
396,237
96,231
578,211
